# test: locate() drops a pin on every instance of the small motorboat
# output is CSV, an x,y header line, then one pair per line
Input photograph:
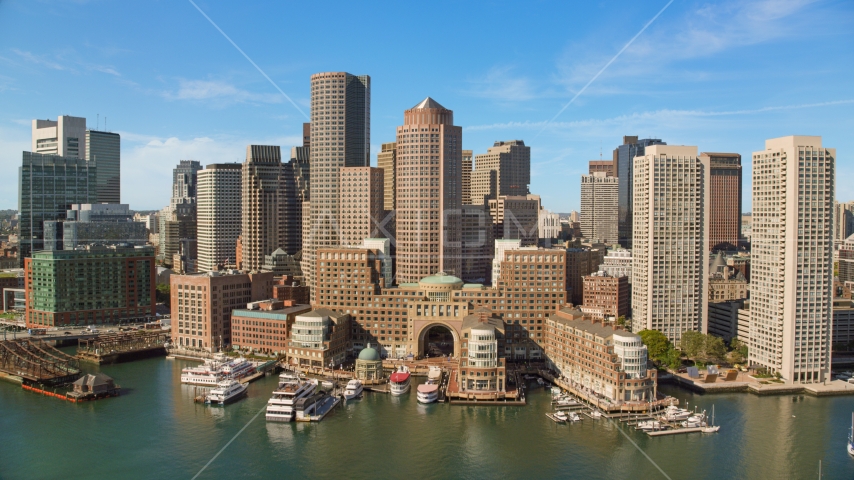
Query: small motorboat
x,y
596,414
561,416
353,390
574,417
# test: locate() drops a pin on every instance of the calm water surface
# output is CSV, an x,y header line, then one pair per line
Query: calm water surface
x,y
154,430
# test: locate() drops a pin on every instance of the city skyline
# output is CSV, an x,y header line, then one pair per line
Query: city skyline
x,y
711,87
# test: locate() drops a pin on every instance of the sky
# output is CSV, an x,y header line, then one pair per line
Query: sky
x,y
568,78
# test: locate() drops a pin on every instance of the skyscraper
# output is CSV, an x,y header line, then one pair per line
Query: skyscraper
x,y
184,182
669,259
361,211
511,162
429,197
599,207
791,273
341,137
261,187
296,178
386,160
724,200
466,176
219,217
605,166
103,150
65,137
624,167
47,187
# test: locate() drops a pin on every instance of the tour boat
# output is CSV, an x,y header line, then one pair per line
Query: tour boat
x,y
280,407
214,370
353,390
851,437
226,391
427,393
399,381
434,375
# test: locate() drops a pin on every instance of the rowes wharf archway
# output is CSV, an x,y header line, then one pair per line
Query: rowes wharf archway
x,y
436,320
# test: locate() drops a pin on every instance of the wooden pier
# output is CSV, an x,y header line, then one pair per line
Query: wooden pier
x,y
122,347
37,363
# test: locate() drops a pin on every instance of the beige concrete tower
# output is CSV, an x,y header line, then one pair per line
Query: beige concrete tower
x,y
361,210
670,235
791,272
218,208
600,201
340,137
505,169
261,185
386,160
429,197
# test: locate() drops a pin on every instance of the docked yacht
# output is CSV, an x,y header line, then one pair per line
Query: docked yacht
x,y
651,426
399,382
226,391
434,375
851,437
237,368
676,414
574,417
353,390
560,416
209,373
280,407
427,393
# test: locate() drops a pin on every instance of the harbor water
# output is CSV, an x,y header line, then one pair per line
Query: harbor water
x,y
154,430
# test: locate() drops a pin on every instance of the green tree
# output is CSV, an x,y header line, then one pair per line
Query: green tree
x,y
163,294
656,343
714,348
738,353
672,358
692,344
621,321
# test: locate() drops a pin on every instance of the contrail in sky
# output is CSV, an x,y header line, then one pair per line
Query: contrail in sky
x,y
256,66
600,71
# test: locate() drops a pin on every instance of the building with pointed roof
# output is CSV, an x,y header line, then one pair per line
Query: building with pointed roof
x,y
428,192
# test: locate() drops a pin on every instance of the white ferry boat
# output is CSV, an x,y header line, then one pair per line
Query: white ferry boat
x,y
214,370
427,393
225,392
399,382
434,375
353,390
280,407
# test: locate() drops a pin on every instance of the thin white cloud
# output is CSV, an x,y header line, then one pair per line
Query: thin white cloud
x,y
218,91
650,115
501,85
39,60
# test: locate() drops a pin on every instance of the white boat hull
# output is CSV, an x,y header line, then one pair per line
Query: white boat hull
x,y
427,398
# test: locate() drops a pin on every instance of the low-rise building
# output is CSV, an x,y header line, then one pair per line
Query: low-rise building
x,y
264,326
843,325
743,329
726,282
289,288
723,318
319,339
202,304
617,263
90,285
369,365
603,359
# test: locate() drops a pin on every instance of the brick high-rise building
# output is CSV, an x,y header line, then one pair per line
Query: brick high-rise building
x,y
387,161
361,213
791,271
609,293
202,304
261,185
580,262
429,192
600,207
669,258
218,215
340,137
511,163
724,200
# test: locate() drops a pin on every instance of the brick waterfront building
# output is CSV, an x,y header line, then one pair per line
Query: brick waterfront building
x,y
607,292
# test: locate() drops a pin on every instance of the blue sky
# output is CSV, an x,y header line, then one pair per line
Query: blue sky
x,y
723,76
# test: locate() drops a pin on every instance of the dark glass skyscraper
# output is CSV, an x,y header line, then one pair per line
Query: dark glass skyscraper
x,y
623,159
103,149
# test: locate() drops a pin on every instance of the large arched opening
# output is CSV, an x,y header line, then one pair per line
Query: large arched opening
x,y
438,340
